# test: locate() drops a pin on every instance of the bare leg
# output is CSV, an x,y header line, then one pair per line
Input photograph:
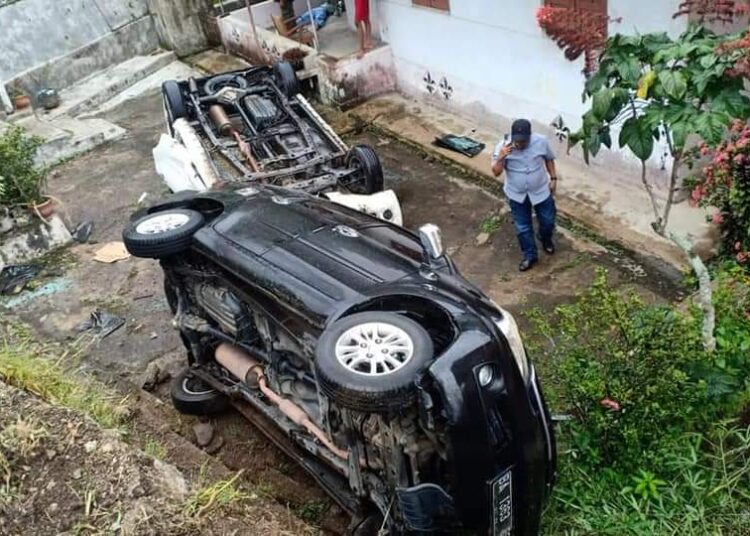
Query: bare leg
x,y
368,35
362,28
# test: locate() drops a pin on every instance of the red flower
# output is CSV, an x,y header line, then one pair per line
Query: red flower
x,y
610,404
717,218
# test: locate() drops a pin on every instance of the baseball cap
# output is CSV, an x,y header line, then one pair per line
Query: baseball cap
x,y
520,130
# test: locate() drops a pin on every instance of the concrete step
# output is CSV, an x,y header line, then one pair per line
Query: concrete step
x,y
174,71
65,137
105,84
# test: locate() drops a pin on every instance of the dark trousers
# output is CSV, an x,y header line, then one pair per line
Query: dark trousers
x,y
545,213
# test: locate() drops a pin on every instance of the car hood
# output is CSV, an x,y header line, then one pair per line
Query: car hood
x,y
329,248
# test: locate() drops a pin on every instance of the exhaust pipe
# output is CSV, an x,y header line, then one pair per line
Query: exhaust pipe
x,y
225,127
250,371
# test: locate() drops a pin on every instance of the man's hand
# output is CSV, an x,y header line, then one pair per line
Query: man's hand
x,y
506,150
553,185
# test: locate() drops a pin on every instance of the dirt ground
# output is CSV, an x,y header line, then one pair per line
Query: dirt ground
x,y
105,185
63,474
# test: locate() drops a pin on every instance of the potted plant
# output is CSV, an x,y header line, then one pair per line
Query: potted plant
x,y
21,181
20,99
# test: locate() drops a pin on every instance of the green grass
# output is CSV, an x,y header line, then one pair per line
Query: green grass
x,y
311,511
155,449
213,498
491,223
41,369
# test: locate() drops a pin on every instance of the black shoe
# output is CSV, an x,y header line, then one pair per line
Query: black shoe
x,y
549,248
526,264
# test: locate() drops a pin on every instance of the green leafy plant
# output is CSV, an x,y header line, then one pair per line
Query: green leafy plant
x,y
652,87
21,181
655,440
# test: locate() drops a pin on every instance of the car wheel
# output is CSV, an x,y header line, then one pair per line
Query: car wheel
x,y
367,176
174,104
220,81
162,234
192,396
369,362
286,78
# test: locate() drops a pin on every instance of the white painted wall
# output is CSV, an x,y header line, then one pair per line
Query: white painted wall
x,y
494,56
641,16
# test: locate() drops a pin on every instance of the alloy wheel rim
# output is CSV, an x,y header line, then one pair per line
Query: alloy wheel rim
x,y
374,349
161,223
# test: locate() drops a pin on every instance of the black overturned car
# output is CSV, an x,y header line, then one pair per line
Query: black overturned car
x,y
359,349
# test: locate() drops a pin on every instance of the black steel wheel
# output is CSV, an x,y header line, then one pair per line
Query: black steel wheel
x,y
367,176
216,83
174,103
191,396
286,78
369,362
162,234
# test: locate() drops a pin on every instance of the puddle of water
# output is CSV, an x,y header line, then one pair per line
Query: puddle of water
x,y
54,286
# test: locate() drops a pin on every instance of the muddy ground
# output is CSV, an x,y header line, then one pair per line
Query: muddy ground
x,y
104,187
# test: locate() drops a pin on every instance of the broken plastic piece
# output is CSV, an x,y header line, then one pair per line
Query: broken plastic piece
x,y
82,233
461,144
383,205
15,277
102,323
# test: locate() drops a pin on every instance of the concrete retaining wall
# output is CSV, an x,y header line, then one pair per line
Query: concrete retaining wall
x,y
82,35
46,43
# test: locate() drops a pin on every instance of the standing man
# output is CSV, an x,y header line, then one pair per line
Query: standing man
x,y
529,164
362,20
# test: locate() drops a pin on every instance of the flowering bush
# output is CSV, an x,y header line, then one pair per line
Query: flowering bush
x,y
576,32
725,184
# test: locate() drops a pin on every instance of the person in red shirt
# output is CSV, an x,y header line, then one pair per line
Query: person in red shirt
x,y
362,20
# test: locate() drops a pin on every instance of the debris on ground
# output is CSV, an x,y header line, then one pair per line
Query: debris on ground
x,y
102,323
153,376
204,433
482,239
82,232
461,144
15,277
112,252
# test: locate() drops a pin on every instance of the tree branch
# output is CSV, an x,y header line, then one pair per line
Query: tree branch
x,y
654,202
705,293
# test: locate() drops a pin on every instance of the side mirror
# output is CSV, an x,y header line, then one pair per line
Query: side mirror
x,y
432,241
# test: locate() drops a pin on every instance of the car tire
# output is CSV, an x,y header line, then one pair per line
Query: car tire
x,y
286,78
193,397
220,81
359,378
174,104
368,172
162,233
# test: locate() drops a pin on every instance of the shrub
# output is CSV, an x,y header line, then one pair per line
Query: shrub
x,y
20,180
725,184
654,442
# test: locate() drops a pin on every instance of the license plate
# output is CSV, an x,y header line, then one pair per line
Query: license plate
x,y
502,504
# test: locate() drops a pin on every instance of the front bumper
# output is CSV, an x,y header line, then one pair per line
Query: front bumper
x,y
498,433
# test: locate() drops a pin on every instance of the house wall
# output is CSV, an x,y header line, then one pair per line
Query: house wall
x,y
487,58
